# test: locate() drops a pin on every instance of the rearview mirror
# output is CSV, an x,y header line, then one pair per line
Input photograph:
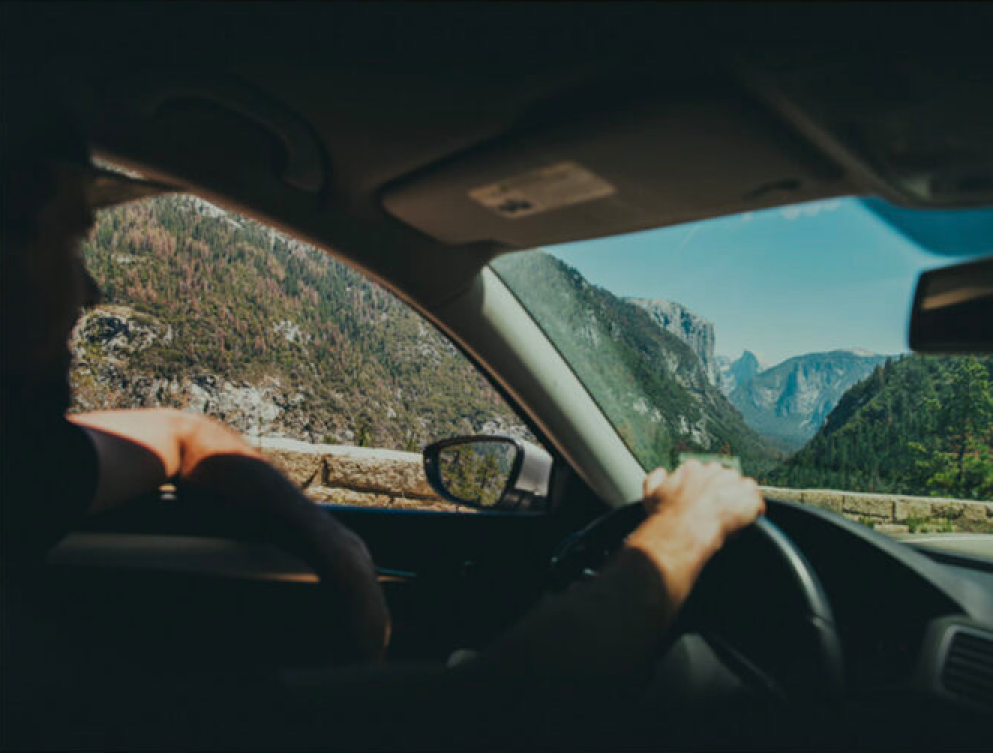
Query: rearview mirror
x,y
953,309
489,472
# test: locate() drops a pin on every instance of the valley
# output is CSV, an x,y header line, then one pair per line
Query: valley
x,y
211,312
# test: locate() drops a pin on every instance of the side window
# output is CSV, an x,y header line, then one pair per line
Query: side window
x,y
335,379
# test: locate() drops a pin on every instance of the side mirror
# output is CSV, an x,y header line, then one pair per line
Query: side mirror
x,y
489,472
953,309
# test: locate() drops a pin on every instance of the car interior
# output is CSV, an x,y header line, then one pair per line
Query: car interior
x,y
366,130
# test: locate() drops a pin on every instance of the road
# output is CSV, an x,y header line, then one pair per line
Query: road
x,y
980,544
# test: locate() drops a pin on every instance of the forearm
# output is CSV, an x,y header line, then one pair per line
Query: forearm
x,y
140,450
555,672
216,458
261,494
576,658
137,451
597,643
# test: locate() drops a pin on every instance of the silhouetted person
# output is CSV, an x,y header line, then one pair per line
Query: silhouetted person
x,y
593,638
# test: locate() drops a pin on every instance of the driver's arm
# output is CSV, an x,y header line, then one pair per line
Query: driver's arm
x,y
570,658
138,450
603,634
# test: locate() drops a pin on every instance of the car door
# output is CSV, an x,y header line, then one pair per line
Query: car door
x,y
340,385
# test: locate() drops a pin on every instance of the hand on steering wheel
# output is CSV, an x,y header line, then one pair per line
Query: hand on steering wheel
x,y
757,603
689,514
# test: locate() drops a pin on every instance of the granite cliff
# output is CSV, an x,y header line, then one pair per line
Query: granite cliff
x,y
649,381
789,402
689,327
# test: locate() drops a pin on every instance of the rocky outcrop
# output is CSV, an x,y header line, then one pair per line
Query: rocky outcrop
x,y
689,327
107,341
118,332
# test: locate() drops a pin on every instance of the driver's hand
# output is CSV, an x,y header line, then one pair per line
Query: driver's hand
x,y
691,512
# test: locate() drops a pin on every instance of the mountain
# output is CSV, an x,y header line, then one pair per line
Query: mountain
x,y
919,425
211,311
649,382
691,328
739,372
788,402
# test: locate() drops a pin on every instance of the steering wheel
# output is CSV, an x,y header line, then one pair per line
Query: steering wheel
x,y
759,605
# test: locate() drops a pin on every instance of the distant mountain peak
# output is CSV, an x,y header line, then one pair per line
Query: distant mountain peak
x,y
788,402
640,358
750,357
665,304
738,372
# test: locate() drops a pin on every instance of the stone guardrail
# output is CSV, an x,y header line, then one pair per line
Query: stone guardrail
x,y
357,476
895,513
371,477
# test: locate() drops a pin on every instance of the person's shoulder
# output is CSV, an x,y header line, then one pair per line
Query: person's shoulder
x,y
49,475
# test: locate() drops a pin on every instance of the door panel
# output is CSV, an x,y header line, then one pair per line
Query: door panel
x,y
452,580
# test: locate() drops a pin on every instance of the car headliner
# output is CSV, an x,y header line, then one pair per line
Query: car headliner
x,y
360,127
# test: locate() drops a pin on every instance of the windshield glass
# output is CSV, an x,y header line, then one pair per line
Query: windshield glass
x,y
776,342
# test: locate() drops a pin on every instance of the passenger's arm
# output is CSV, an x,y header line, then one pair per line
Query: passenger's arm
x,y
139,450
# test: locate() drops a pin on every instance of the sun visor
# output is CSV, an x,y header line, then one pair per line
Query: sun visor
x,y
212,130
630,171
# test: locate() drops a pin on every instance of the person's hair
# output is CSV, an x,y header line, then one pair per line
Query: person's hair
x,y
37,131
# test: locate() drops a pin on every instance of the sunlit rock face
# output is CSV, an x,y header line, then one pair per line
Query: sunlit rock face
x,y
689,327
789,402
740,371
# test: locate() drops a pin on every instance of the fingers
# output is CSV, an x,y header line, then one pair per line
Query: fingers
x,y
691,512
734,500
654,480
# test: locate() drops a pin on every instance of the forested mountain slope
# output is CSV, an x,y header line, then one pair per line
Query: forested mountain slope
x,y
649,382
918,425
211,311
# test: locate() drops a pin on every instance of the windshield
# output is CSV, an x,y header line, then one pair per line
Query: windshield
x,y
776,342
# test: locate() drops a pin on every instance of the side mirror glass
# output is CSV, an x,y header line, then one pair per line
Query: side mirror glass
x,y
953,309
489,472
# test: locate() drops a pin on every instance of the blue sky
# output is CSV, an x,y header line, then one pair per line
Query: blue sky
x,y
779,282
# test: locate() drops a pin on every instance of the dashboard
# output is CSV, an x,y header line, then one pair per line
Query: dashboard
x,y
916,629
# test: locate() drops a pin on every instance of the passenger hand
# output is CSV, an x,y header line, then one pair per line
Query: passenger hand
x,y
138,450
691,512
346,568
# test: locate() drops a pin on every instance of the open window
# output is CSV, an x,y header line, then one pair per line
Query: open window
x,y
335,379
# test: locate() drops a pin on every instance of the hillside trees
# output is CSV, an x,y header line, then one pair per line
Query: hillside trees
x,y
918,425
246,305
955,457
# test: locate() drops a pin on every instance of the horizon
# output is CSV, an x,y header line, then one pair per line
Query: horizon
x,y
765,364
715,268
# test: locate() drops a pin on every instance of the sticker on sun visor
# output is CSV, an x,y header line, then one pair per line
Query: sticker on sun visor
x,y
541,190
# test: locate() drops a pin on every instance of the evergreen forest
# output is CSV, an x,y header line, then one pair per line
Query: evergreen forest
x,y
232,302
918,425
